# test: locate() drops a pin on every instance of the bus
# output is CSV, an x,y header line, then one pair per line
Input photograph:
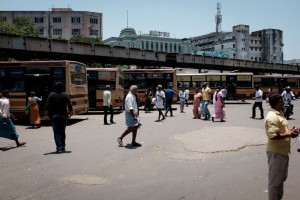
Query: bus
x,y
23,77
149,78
278,83
98,78
239,85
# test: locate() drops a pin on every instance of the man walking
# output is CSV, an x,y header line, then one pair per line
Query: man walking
x,y
258,103
160,99
131,117
278,148
107,105
206,91
56,109
7,128
187,96
169,93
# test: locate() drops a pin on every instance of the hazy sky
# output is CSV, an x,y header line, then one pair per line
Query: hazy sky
x,y
184,18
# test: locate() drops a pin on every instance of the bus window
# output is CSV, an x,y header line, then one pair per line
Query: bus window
x,y
78,74
16,79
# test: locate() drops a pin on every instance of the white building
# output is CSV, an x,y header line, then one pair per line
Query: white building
x,y
263,45
154,41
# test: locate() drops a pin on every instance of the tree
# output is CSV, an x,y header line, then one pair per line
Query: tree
x,y
23,26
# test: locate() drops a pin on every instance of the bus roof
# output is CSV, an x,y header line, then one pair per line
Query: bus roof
x,y
49,63
207,74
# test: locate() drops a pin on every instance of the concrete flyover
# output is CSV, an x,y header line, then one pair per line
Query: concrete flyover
x,y
31,48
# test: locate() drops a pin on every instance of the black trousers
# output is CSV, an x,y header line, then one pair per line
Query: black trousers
x,y
169,106
259,105
110,108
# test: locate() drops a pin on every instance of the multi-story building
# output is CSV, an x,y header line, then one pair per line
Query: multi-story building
x,y
154,41
263,45
61,22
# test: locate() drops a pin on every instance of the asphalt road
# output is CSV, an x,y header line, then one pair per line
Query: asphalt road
x,y
181,158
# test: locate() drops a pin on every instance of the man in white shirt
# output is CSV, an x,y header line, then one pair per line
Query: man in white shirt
x,y
289,95
7,128
160,100
131,117
107,105
258,103
187,96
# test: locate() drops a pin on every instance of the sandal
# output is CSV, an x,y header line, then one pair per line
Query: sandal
x,y
120,142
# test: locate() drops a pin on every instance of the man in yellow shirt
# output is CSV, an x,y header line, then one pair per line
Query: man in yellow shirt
x,y
278,147
206,91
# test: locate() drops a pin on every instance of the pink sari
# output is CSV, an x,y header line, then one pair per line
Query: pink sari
x,y
218,106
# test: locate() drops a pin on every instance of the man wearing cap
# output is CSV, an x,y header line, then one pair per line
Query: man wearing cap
x,y
107,105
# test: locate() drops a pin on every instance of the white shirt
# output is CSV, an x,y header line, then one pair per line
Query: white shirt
x,y
106,98
130,103
4,107
258,95
160,95
187,94
288,95
181,95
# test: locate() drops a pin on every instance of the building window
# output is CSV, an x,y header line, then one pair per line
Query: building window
x,y
251,48
222,46
93,32
75,20
75,31
3,19
233,45
147,45
93,20
251,58
41,31
161,46
57,31
166,47
56,19
39,20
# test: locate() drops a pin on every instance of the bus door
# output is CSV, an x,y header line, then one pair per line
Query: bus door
x,y
41,84
231,87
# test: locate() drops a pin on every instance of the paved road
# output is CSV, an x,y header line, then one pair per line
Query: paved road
x,y
181,158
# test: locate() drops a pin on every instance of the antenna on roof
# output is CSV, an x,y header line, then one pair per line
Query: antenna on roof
x,y
127,18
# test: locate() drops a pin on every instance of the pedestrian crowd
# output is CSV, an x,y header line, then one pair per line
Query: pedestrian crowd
x,y
58,109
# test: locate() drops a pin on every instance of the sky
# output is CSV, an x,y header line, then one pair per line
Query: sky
x,y
183,18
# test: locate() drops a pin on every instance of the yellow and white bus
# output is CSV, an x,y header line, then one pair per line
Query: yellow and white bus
x,y
239,85
23,77
98,78
149,79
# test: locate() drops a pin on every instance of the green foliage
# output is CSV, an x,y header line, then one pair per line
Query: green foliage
x,y
23,26
83,39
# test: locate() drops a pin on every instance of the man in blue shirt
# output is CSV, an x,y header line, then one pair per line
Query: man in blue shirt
x,y
169,100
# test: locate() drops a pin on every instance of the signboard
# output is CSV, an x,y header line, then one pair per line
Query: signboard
x,y
198,78
159,34
106,75
244,78
213,78
183,78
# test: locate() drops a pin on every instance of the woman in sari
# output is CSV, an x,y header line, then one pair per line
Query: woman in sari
x,y
35,119
196,103
218,105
